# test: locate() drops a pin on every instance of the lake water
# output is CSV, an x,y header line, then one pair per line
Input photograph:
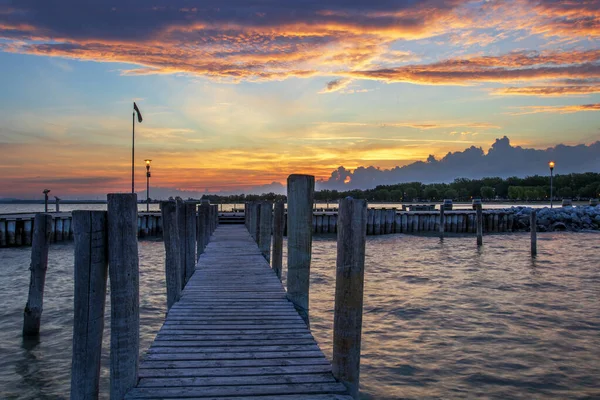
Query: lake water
x,y
441,320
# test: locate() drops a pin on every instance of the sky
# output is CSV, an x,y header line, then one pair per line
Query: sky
x,y
239,94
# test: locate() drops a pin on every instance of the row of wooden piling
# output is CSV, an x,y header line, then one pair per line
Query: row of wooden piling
x,y
106,247
18,231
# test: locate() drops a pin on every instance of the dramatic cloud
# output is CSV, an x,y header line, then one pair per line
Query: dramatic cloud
x,y
501,160
556,109
548,91
511,67
269,40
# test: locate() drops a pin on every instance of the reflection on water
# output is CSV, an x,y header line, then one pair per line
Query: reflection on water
x,y
441,319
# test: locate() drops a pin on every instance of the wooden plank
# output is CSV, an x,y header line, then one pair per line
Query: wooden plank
x,y
246,390
237,380
233,371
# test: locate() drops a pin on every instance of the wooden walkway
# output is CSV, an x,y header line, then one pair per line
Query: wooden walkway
x,y
234,335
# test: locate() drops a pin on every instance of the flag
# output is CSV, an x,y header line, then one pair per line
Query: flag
x,y
137,110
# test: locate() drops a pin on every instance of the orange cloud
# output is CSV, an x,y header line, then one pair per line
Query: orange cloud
x,y
547,91
557,109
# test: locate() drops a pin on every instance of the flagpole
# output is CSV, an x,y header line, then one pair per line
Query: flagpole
x,y
132,150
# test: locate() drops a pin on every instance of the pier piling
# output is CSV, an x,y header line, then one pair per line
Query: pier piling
x,y
264,240
90,274
190,239
277,257
300,194
442,222
533,229
479,222
124,293
171,242
349,284
39,264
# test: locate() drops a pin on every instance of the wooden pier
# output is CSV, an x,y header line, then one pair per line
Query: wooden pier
x,y
234,335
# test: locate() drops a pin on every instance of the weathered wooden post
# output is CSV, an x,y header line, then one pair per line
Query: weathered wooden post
x,y
442,222
42,231
190,239
90,274
2,233
201,230
277,258
123,271
168,211
479,223
180,215
377,221
300,192
206,205
27,231
256,221
264,240
349,283
533,229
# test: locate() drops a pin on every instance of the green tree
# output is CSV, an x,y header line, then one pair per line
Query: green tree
x,y
487,192
515,192
566,192
450,194
431,193
396,194
410,194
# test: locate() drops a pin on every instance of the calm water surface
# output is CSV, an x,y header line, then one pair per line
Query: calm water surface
x,y
441,320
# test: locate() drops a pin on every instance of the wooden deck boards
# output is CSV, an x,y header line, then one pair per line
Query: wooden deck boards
x,y
234,335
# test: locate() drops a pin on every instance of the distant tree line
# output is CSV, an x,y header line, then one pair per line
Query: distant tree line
x,y
578,186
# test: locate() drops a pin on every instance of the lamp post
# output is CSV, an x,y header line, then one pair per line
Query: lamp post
x,y
551,165
46,191
148,184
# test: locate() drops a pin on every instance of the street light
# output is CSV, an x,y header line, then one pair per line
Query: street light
x,y
148,184
46,191
551,165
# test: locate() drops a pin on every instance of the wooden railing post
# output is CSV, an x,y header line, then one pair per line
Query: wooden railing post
x,y
123,269
206,206
90,274
264,240
181,222
349,284
442,221
533,229
201,230
190,239
300,194
256,221
42,233
215,217
479,223
168,211
277,258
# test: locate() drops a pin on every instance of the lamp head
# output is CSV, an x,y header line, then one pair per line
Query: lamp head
x,y
551,165
46,191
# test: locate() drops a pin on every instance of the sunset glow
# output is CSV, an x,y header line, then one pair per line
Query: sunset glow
x,y
241,94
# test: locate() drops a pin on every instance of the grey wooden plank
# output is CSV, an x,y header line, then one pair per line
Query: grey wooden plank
x,y
259,355
237,380
234,349
229,343
274,397
246,390
234,371
234,363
